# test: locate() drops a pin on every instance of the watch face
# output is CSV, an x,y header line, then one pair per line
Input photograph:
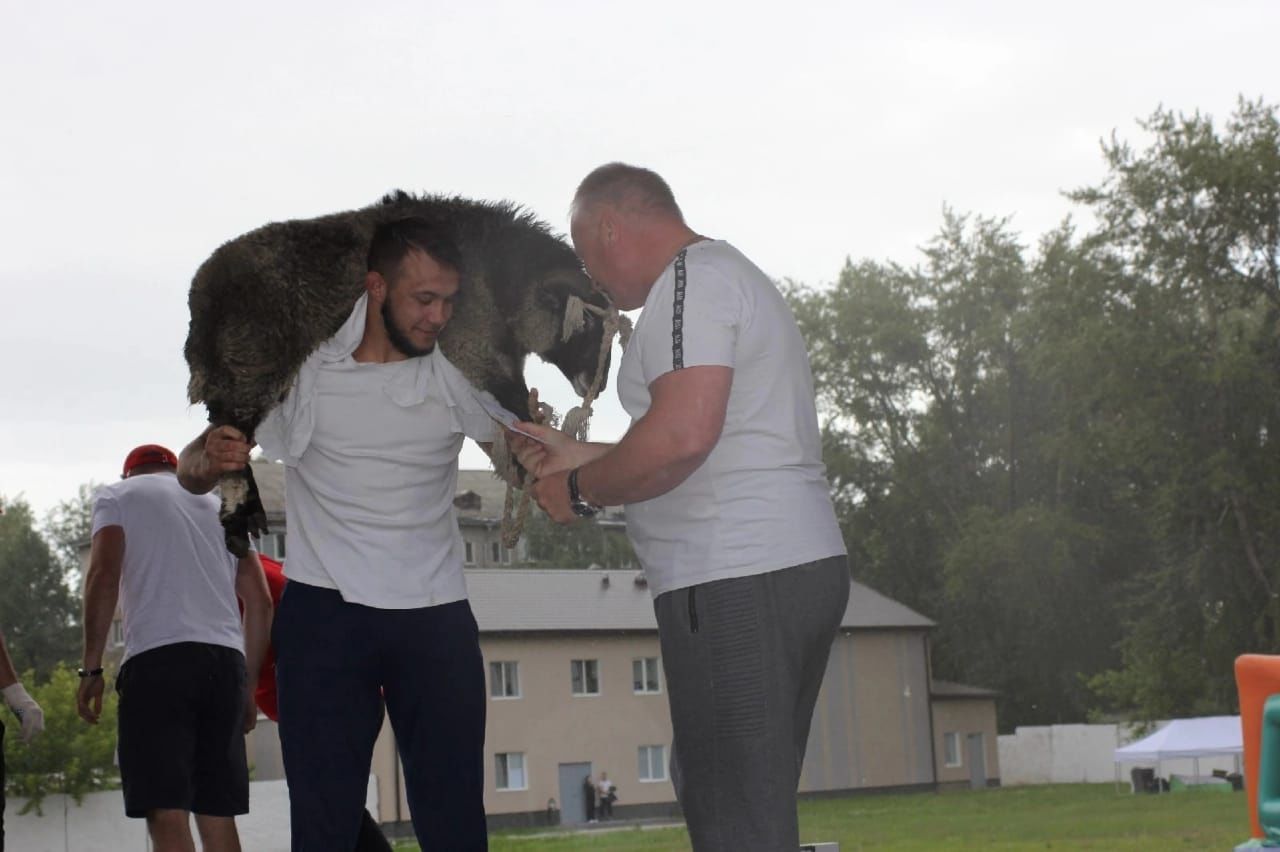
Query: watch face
x,y
583,510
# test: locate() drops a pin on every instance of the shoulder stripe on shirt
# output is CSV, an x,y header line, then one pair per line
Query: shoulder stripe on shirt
x,y
677,315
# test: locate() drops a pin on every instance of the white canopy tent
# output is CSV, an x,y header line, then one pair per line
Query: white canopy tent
x,y
1207,736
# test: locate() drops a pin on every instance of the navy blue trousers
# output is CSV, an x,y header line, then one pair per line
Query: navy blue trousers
x,y
337,664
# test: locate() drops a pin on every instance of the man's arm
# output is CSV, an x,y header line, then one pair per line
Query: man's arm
x,y
8,674
29,713
214,451
660,451
251,588
101,592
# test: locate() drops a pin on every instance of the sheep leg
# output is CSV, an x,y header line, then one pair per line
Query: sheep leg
x,y
241,513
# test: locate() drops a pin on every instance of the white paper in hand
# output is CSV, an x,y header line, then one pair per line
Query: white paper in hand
x,y
495,410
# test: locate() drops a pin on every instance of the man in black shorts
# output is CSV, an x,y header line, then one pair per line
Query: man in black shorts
x,y
185,691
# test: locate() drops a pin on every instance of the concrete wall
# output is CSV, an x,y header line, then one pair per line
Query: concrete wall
x,y
1070,754
99,824
871,723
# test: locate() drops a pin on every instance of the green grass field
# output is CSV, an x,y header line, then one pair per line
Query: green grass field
x,y
1058,817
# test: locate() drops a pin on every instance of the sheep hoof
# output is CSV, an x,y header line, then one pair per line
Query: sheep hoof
x,y
241,513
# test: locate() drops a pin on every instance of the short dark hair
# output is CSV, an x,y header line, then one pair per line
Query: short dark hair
x,y
393,240
626,186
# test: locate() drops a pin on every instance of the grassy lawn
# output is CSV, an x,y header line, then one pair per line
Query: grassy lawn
x,y
1072,816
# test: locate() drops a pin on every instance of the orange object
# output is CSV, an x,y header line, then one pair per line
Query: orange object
x,y
1257,679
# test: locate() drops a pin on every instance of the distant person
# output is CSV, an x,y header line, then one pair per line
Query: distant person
x,y
727,503
607,795
30,716
185,700
589,797
371,838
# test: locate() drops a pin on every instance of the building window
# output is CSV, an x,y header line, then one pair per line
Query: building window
x,y
653,763
585,675
644,675
469,553
951,749
494,554
508,771
504,680
117,633
506,556
272,544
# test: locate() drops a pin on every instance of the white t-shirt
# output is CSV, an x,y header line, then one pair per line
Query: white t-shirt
x,y
178,582
760,502
369,499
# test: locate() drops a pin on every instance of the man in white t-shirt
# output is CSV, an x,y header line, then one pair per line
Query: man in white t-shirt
x,y
375,614
186,681
726,497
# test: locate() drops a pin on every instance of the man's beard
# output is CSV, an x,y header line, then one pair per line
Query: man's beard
x,y
399,339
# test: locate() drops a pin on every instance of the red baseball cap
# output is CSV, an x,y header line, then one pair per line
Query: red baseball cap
x,y
148,454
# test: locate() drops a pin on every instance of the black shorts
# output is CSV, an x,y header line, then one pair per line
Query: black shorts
x,y
182,730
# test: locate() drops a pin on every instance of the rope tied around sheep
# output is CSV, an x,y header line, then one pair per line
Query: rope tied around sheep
x,y
576,421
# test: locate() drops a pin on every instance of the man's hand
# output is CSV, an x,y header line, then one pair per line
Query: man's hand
x,y
210,454
226,449
89,699
552,494
555,452
25,708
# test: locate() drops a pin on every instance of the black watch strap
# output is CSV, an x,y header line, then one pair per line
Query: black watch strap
x,y
89,672
580,507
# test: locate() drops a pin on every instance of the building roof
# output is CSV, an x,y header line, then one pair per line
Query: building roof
x,y
535,600
269,477
949,689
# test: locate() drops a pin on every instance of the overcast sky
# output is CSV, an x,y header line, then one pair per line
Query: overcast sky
x,y
137,137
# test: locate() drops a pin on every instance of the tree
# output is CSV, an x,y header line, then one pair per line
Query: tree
x,y
1191,226
1064,455
70,757
68,526
37,608
588,543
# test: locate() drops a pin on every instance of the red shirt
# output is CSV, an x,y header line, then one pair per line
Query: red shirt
x,y
265,695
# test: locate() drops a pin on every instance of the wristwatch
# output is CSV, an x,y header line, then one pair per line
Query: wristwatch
x,y
580,507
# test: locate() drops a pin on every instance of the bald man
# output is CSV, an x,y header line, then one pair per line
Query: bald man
x,y
726,497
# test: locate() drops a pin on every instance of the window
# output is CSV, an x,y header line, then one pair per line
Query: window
x,y
504,680
117,633
653,763
272,544
951,748
644,675
506,556
508,771
494,554
585,675
469,555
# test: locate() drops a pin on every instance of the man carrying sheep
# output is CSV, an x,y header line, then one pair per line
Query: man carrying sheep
x,y
375,612
727,503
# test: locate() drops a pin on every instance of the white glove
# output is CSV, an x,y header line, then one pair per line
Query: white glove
x,y
25,708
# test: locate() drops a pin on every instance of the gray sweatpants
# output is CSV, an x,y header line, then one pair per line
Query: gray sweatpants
x,y
744,659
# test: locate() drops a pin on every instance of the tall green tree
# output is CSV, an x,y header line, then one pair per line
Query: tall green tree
x,y
68,525
37,608
1191,227
1063,453
944,452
